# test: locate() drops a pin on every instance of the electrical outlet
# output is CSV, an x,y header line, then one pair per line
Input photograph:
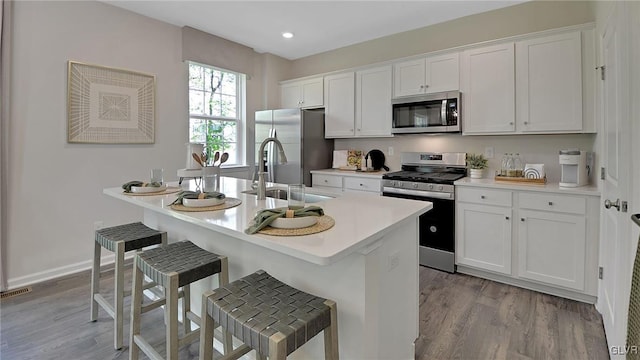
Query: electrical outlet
x,y
390,151
97,225
488,152
393,261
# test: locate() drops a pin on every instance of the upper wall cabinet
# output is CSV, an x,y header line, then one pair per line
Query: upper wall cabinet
x,y
429,75
302,94
373,102
549,83
487,86
360,111
339,108
551,91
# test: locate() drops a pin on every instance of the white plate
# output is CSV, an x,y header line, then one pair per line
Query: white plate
x,y
294,223
202,202
147,189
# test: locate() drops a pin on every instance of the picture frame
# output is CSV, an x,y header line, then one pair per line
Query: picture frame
x,y
108,105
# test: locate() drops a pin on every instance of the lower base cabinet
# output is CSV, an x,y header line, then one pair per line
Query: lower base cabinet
x,y
536,239
346,183
484,234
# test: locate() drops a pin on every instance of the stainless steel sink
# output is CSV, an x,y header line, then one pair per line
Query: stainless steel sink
x,y
282,195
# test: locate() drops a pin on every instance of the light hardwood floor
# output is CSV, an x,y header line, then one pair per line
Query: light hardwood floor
x,y
461,317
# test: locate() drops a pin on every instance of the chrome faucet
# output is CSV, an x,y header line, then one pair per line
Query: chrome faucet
x,y
262,186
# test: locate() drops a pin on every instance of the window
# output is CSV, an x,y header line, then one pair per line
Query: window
x,y
215,110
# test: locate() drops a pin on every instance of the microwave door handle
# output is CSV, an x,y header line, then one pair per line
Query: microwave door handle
x,y
443,113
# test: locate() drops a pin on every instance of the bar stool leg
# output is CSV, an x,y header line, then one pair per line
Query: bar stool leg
x,y
331,333
277,347
171,311
95,280
186,307
206,330
136,309
223,279
118,295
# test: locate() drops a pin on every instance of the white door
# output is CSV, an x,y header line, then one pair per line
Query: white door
x,y
615,243
339,105
373,102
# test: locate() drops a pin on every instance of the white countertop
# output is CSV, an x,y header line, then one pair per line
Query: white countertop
x,y
548,187
351,173
360,219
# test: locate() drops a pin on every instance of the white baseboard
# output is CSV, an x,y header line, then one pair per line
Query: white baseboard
x,y
60,271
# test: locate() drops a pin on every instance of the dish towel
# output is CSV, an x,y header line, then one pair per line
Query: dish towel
x,y
197,195
266,217
136,183
633,324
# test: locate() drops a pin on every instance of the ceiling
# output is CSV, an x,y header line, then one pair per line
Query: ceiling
x,y
318,26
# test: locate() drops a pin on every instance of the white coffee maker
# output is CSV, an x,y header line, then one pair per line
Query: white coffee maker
x,y
574,168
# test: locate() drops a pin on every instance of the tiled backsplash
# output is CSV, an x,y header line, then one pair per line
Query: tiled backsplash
x,y
541,149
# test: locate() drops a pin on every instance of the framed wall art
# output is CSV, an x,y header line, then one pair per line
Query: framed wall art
x,y
109,106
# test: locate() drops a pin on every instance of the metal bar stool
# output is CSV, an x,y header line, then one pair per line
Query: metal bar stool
x,y
119,239
173,266
268,316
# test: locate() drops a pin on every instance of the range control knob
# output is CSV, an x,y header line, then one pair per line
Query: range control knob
x,y
430,186
440,187
415,185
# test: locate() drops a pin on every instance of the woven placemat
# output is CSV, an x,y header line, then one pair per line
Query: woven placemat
x,y
325,222
168,190
228,203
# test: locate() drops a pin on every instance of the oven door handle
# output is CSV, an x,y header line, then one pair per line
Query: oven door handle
x,y
421,194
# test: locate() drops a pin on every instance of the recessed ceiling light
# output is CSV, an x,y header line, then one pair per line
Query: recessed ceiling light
x,y
287,35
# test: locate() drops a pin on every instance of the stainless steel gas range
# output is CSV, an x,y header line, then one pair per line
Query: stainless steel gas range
x,y
430,177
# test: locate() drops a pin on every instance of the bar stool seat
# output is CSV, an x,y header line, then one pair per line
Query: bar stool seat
x,y
119,239
268,316
172,266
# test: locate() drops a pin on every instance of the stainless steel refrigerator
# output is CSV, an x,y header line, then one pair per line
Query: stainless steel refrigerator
x,y
301,133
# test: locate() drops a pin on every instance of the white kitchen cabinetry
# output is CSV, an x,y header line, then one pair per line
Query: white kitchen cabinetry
x,y
552,239
302,94
549,83
358,104
335,180
373,102
484,229
541,240
339,110
428,75
488,90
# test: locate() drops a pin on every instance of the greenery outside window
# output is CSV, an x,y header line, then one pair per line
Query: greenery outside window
x,y
215,110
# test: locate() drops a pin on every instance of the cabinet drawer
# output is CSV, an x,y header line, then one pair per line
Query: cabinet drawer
x,y
553,202
362,184
326,180
483,196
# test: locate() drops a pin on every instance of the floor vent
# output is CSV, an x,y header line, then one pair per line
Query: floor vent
x,y
16,292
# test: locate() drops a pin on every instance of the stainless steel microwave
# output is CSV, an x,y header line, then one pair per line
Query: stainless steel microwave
x,y
430,113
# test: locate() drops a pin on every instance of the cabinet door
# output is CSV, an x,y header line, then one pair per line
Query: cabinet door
x,y
339,96
442,73
488,90
409,78
483,237
551,248
373,102
549,83
312,93
290,95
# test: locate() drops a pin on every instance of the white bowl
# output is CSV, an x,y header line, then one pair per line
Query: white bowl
x,y
147,189
202,202
294,223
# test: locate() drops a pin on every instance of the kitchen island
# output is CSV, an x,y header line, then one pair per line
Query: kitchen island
x,y
367,262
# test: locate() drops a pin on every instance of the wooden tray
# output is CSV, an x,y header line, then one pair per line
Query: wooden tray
x,y
521,180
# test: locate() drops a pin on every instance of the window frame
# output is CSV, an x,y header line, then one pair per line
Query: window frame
x,y
239,119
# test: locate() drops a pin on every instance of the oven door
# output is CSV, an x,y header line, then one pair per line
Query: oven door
x,y
437,226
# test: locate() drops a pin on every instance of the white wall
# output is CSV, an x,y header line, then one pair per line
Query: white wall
x,y
55,188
